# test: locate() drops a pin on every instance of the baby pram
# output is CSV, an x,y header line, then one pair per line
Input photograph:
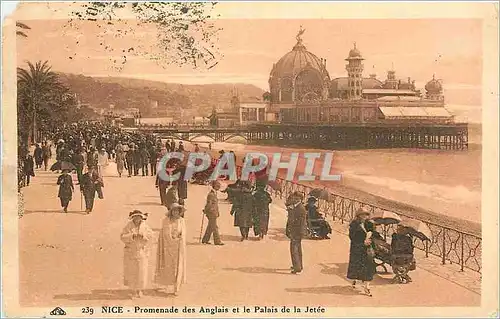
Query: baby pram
x,y
403,260
203,177
317,226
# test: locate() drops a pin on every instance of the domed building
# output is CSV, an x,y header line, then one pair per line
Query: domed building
x,y
299,76
434,90
301,91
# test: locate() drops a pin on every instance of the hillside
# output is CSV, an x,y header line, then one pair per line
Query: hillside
x,y
127,92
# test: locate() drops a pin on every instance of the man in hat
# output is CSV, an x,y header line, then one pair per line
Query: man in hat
x,y
88,186
29,168
92,157
296,227
46,154
137,160
79,162
145,158
38,156
129,159
211,210
102,161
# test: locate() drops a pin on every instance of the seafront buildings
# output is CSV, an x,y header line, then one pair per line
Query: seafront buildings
x,y
301,91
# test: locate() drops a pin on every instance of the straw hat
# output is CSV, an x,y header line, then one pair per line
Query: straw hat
x,y
138,213
179,207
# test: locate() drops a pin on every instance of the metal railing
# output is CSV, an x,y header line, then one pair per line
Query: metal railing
x,y
452,246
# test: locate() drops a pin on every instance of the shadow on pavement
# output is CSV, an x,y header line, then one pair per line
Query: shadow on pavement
x,y
147,204
277,234
53,211
116,294
340,270
346,290
261,270
230,238
112,294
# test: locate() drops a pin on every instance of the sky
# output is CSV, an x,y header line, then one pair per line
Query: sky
x,y
417,48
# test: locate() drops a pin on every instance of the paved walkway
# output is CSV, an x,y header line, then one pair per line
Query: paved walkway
x,y
75,259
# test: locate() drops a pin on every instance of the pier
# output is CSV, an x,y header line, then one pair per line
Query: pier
x,y
444,136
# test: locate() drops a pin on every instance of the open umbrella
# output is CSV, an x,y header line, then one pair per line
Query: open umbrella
x,y
67,165
320,193
384,217
417,228
59,166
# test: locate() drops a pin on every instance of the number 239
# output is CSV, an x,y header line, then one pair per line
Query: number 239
x,y
88,310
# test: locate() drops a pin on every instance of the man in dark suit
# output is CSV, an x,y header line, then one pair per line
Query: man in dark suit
x,y
211,210
296,229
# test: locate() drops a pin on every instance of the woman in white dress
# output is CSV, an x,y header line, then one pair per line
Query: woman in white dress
x,y
137,236
171,254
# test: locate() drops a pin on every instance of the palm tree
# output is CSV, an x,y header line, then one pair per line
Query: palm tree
x,y
21,26
34,87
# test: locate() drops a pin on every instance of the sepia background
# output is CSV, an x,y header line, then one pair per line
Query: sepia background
x,y
416,48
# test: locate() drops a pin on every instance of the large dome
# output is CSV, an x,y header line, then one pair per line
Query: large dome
x,y
295,61
299,76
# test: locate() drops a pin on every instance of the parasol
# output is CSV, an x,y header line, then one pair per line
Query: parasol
x,y
320,193
384,217
57,166
417,228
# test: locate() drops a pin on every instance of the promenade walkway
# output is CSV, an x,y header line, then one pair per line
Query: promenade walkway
x,y
75,259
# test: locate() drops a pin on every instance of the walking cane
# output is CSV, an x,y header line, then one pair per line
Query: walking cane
x,y
202,222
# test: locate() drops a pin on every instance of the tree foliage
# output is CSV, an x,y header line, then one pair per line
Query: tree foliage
x,y
185,32
42,101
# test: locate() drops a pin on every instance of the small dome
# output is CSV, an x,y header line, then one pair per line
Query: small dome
x,y
354,53
434,86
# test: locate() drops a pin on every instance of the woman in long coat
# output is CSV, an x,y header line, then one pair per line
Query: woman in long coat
x,y
120,160
66,189
361,264
137,236
262,199
243,210
171,253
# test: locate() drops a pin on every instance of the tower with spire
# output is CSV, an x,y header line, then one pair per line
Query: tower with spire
x,y
355,74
